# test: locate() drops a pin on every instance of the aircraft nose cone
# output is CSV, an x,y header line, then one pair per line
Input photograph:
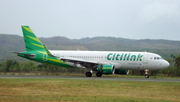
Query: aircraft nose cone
x,y
166,64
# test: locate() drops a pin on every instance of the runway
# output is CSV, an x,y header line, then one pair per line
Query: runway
x,y
90,78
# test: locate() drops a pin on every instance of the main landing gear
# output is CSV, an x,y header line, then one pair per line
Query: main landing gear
x,y
146,73
99,74
89,74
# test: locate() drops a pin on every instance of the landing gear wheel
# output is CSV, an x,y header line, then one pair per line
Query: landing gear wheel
x,y
88,74
146,73
146,76
98,74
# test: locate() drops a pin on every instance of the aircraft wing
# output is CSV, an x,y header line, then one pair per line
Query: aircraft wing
x,y
85,63
75,60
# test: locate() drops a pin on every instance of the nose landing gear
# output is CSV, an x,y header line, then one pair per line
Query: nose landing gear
x,y
146,73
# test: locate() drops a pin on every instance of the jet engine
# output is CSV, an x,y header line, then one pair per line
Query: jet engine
x,y
106,69
121,71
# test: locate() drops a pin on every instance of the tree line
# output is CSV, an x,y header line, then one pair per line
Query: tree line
x,y
33,67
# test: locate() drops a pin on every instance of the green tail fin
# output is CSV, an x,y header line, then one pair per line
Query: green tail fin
x,y
32,43
47,51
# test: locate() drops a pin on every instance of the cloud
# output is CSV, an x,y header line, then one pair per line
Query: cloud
x,y
157,10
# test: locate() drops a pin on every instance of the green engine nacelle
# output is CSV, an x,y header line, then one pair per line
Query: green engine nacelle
x,y
106,69
121,71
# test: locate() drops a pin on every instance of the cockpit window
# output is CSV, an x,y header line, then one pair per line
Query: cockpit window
x,y
157,58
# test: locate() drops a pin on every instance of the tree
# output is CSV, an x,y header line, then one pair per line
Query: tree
x,y
9,63
176,62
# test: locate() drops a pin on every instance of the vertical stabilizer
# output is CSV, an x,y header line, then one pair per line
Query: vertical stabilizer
x,y
32,43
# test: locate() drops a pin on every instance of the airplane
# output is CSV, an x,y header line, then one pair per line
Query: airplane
x,y
102,62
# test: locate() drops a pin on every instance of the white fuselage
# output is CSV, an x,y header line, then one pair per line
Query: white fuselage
x,y
121,60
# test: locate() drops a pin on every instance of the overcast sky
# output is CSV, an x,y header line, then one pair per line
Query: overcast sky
x,y
74,19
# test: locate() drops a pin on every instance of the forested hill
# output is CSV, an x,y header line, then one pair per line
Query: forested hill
x,y
9,43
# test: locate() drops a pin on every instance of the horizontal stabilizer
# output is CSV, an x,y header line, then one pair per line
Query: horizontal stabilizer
x,y
30,55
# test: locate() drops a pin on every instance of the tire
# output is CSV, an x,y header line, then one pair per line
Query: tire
x,y
88,74
146,76
98,74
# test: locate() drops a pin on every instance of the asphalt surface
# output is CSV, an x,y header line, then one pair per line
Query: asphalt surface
x,y
90,78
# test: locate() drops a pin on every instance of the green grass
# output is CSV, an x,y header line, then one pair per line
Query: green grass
x,y
69,90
